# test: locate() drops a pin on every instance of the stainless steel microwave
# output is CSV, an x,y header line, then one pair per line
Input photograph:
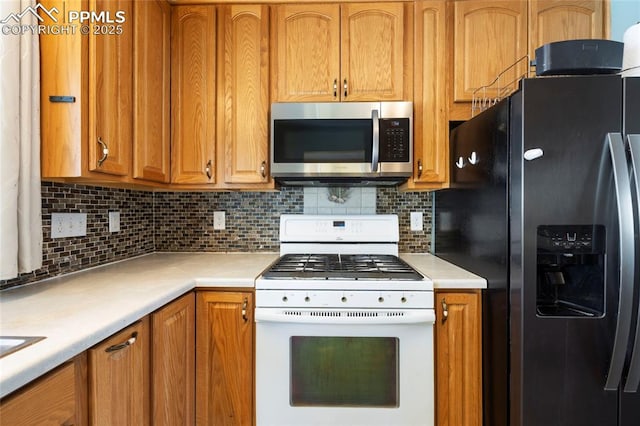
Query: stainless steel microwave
x,y
346,143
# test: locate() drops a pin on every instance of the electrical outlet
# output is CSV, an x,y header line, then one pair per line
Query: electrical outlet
x,y
114,221
219,220
416,221
68,225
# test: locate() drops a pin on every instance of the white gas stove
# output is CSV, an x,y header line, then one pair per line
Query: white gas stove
x,y
339,304
341,261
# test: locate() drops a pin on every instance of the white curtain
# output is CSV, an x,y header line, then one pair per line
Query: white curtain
x,y
20,199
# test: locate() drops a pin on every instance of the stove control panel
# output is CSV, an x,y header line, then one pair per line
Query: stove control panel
x,y
344,299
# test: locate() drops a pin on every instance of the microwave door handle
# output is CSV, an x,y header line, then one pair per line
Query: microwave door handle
x,y
622,185
633,378
375,153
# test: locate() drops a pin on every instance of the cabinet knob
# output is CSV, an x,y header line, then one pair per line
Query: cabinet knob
x,y
105,151
345,86
208,169
420,168
445,310
335,88
263,169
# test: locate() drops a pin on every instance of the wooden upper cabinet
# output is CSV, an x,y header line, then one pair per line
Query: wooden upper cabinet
x,y
193,94
430,118
556,20
151,87
110,91
488,38
86,96
376,51
306,52
119,378
243,99
347,52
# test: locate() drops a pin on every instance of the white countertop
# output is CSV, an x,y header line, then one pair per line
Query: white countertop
x,y
79,310
443,274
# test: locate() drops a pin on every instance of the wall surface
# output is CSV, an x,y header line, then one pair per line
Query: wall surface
x,y
64,255
183,222
624,13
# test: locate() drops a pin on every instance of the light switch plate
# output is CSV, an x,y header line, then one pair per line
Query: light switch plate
x,y
219,220
416,221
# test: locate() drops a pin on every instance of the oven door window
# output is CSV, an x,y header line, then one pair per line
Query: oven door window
x,y
344,371
323,141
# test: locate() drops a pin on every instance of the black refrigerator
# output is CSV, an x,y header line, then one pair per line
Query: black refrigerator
x,y
543,203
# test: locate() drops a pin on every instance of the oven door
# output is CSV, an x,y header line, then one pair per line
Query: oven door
x,y
344,367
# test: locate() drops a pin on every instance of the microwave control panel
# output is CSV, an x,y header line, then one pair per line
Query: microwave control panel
x,y
394,140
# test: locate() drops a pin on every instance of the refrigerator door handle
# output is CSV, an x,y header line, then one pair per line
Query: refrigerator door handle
x,y
633,378
622,185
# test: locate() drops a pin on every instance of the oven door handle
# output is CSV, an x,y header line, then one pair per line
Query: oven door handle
x,y
345,316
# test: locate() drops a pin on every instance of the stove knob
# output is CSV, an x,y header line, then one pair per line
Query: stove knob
x,y
380,299
285,299
307,299
344,299
403,299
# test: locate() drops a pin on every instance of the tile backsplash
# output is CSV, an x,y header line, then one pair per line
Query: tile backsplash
x,y
99,246
183,221
338,200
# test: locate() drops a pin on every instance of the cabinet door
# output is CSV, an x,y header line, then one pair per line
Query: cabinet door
x,y
489,37
376,51
119,378
306,53
193,79
458,358
110,91
151,51
63,73
224,358
430,130
244,99
173,363
58,398
556,20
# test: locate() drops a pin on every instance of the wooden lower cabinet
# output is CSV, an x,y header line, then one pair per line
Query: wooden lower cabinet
x,y
458,358
224,358
57,398
173,363
119,378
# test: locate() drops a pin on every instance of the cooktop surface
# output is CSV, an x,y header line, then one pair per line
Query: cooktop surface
x,y
345,266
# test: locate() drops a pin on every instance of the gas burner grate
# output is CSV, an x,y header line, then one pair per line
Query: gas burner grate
x,y
335,266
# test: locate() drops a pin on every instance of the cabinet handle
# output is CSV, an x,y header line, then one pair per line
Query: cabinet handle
x,y
245,303
445,311
335,88
263,169
208,169
419,168
105,151
345,86
119,346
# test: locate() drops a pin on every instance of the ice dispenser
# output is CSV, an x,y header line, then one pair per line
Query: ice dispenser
x,y
570,271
